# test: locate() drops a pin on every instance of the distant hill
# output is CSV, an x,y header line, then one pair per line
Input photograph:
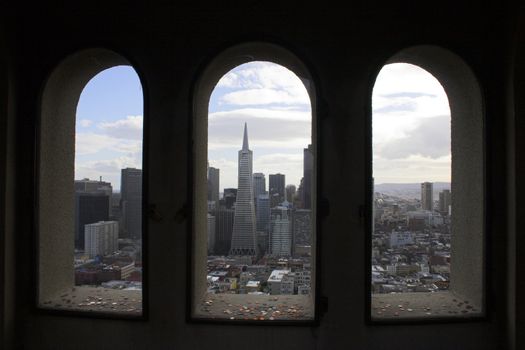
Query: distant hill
x,y
410,190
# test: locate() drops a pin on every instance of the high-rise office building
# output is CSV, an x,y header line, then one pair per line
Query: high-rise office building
x,y
213,184
259,185
244,241
276,189
281,231
93,186
302,227
445,201
308,169
211,234
131,202
90,207
101,238
223,230
427,196
229,197
263,213
290,193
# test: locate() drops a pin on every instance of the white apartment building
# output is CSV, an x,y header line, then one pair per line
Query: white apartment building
x,y
101,238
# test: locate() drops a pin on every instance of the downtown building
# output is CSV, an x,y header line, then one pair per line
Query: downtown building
x,y
92,204
308,170
101,238
213,184
223,231
427,196
131,203
244,240
445,202
281,238
276,189
259,185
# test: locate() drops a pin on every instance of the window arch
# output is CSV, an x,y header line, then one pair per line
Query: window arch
x,y
71,255
257,53
466,294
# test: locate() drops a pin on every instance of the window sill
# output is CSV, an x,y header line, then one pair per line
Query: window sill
x,y
422,306
97,300
262,308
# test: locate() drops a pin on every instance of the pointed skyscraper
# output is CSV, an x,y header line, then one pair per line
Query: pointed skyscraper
x,y
244,240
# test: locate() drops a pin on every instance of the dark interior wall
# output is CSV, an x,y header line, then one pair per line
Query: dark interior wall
x,y
344,49
517,135
7,192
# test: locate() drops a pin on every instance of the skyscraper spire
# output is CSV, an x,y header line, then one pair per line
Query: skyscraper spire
x,y
245,138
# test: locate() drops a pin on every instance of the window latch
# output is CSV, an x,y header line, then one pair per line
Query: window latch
x,y
181,214
153,213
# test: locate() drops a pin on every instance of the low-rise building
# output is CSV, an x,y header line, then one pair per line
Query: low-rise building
x,y
275,280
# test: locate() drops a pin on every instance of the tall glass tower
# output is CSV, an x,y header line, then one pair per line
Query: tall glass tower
x,y
244,240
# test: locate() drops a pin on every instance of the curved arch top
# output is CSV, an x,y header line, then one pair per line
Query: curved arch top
x,y
247,52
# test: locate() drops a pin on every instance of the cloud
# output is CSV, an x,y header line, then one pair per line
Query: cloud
x,y
91,143
397,106
431,138
408,94
262,113
414,168
290,164
129,128
264,97
109,165
109,169
266,129
262,83
85,123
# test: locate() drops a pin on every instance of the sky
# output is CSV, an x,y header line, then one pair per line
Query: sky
x,y
109,126
411,124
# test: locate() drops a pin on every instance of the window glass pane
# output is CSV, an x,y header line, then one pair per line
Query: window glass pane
x,y
412,204
260,180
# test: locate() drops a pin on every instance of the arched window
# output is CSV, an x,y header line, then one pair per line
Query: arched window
x,y
90,187
427,222
254,199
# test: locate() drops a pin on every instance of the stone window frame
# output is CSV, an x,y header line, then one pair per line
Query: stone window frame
x,y
468,179
54,171
203,87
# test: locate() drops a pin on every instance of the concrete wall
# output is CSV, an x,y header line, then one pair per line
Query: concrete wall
x,y
343,49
